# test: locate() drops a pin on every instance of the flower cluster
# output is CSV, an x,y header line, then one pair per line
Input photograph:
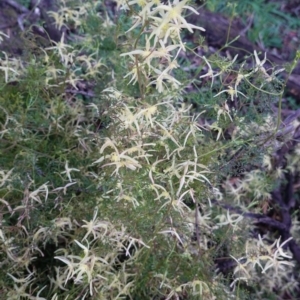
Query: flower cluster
x,y
164,22
271,260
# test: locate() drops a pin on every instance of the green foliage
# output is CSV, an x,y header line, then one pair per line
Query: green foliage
x,y
111,190
267,23
25,3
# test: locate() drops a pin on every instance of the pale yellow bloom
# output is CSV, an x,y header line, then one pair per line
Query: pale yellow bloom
x,y
5,67
172,14
230,91
2,34
69,170
62,49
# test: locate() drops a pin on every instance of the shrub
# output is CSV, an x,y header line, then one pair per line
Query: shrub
x,y
117,190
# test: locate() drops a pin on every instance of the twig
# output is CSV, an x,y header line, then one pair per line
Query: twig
x,y
71,91
261,218
197,226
